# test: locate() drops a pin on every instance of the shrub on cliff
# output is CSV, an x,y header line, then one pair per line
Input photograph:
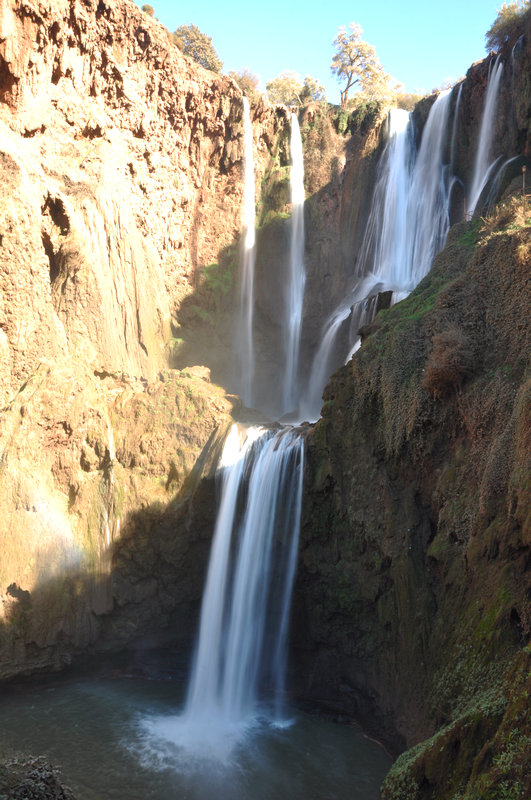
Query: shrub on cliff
x,y
448,363
248,83
198,45
507,27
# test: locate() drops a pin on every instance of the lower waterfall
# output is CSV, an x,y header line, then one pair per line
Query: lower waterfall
x,y
238,672
245,610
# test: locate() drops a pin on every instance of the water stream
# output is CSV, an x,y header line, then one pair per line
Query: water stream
x,y
297,275
240,656
483,166
244,330
406,228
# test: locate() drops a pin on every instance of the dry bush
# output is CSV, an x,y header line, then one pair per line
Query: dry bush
x,y
514,211
449,362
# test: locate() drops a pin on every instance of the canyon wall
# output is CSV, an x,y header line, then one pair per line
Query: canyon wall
x,y
414,591
122,180
120,215
119,225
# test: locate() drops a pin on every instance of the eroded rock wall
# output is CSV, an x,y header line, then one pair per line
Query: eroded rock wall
x,y
122,179
414,589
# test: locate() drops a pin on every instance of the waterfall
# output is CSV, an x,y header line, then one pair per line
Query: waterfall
x,y
244,332
409,220
359,312
454,126
297,276
482,165
429,195
385,246
241,648
246,601
406,228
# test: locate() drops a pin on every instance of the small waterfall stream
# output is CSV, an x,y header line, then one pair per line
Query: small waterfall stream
x,y
244,330
297,275
483,165
407,227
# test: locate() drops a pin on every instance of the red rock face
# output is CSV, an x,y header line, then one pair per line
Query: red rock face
x,y
122,178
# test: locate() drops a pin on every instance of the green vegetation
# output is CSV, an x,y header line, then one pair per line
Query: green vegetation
x,y
469,238
149,10
199,46
507,27
358,116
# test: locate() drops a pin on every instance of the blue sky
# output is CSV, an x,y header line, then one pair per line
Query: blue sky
x,y
420,43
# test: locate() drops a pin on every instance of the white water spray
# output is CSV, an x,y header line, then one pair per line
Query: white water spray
x,y
244,332
483,166
297,274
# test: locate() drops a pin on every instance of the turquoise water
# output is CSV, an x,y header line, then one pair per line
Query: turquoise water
x,y
112,739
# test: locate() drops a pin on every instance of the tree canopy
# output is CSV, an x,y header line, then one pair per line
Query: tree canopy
x,y
355,63
288,89
312,90
248,83
199,46
148,10
507,28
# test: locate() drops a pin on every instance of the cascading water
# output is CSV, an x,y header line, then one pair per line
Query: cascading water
x,y
454,126
407,226
245,610
238,619
244,332
359,312
297,275
246,601
483,167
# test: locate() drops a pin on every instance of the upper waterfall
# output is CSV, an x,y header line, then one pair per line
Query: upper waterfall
x,y
297,275
406,228
483,165
409,217
244,331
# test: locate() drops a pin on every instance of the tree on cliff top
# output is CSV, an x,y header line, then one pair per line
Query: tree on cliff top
x,y
248,83
507,27
288,90
312,91
199,46
355,62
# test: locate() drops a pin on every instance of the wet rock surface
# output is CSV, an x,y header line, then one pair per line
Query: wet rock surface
x,y
26,778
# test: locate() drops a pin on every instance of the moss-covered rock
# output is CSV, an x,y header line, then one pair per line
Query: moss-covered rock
x,y
413,596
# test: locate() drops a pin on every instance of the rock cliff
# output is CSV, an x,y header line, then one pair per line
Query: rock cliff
x,y
119,225
122,180
414,583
